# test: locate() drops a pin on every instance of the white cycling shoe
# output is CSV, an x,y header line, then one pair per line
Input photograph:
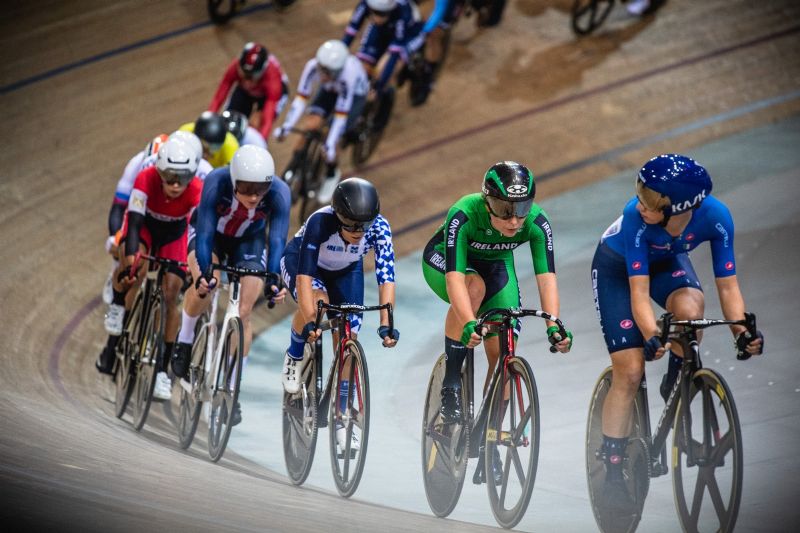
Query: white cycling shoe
x,y
325,194
291,374
341,440
637,7
163,388
113,320
108,290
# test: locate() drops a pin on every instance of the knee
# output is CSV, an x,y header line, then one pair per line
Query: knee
x,y
687,304
628,373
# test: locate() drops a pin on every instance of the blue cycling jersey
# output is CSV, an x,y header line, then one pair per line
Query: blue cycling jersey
x,y
642,244
220,213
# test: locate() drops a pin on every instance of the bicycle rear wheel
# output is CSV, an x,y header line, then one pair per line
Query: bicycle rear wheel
x,y
127,353
311,170
368,136
150,353
191,400
300,422
225,393
348,463
636,464
710,426
512,430
445,448
588,15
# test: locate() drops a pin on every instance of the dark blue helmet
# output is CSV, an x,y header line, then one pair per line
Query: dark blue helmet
x,y
677,178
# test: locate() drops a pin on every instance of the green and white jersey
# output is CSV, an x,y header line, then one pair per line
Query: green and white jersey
x,y
468,234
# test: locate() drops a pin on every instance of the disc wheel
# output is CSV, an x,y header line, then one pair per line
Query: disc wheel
x,y
351,421
445,448
150,353
708,490
300,422
225,393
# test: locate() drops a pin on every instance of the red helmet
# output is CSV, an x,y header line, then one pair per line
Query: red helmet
x,y
253,60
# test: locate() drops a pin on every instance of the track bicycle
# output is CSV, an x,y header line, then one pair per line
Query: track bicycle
x,y
140,349
305,175
588,15
706,440
215,370
221,11
314,406
368,129
508,420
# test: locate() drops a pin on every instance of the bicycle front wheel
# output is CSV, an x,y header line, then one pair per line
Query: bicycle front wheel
x,y
445,448
636,463
150,353
588,15
191,400
225,393
300,421
708,427
348,418
367,134
512,432
127,354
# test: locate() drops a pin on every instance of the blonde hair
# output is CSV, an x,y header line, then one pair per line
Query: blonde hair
x,y
650,199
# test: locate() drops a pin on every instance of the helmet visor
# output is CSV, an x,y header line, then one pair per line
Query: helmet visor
x,y
506,210
249,188
354,226
176,177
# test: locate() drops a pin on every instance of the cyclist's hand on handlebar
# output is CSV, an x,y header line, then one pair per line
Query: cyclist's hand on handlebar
x,y
469,336
561,344
748,344
653,348
389,338
310,332
205,284
274,289
280,133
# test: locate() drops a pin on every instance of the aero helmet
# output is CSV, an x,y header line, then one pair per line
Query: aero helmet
x,y
176,161
191,139
211,128
236,122
253,60
153,146
332,56
254,165
681,182
356,203
381,6
509,189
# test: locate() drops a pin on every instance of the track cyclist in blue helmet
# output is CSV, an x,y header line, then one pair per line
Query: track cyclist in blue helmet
x,y
644,254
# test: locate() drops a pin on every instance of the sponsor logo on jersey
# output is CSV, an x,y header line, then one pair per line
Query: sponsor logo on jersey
x,y
494,246
721,229
626,324
660,246
678,273
437,260
729,265
334,248
451,232
636,265
137,201
548,231
690,236
638,239
596,298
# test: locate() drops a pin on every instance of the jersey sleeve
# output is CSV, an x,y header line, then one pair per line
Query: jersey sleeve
x,y
379,238
356,20
273,91
313,237
230,77
541,243
206,220
280,201
722,254
634,236
456,241
125,183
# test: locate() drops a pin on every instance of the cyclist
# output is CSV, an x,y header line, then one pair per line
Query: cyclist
x,y
241,129
442,17
644,254
254,79
144,159
393,24
469,263
343,87
162,199
218,143
324,261
237,205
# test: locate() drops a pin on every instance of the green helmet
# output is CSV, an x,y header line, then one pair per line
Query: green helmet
x,y
509,189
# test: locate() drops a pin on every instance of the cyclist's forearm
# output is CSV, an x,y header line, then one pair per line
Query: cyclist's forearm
x,y
640,305
295,111
548,295
305,298
386,295
731,301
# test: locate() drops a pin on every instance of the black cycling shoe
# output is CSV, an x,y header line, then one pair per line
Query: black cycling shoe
x,y
451,405
616,499
497,468
181,358
236,414
105,361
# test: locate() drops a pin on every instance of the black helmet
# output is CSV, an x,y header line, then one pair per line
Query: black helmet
x,y
211,128
356,203
509,189
236,123
253,60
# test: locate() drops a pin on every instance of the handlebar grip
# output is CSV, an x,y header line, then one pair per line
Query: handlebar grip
x,y
664,324
553,349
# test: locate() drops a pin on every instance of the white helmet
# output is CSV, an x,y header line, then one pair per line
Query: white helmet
x,y
381,5
252,163
191,139
332,55
176,159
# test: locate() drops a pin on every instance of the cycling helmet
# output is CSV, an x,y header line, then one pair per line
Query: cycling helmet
x,y
153,146
211,128
381,6
332,56
252,169
253,60
236,122
356,204
681,182
176,162
191,139
509,189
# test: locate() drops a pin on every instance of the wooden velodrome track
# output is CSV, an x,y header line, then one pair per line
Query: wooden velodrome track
x,y
85,84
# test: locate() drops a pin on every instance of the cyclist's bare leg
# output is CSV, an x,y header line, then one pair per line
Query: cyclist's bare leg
x,y
627,369
686,304
251,287
434,48
453,324
172,287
